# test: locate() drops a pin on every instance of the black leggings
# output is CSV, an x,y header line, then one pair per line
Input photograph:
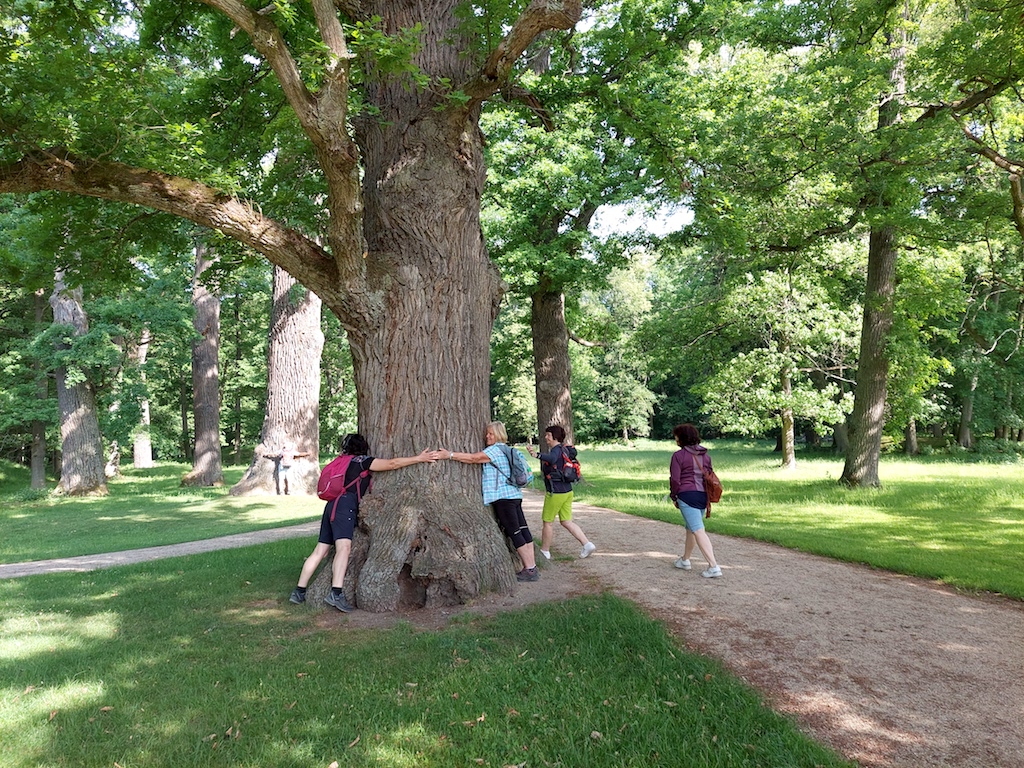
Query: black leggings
x,y
512,521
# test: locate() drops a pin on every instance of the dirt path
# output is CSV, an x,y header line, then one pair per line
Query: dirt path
x,y
889,670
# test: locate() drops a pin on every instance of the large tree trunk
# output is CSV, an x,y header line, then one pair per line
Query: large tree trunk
x,y
293,393
422,367
867,420
81,443
142,445
206,460
551,366
38,460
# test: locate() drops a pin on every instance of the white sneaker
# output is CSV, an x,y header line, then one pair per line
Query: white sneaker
x,y
712,573
587,549
547,555
683,565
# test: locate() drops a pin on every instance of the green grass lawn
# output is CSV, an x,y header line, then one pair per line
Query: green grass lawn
x,y
201,661
145,508
935,517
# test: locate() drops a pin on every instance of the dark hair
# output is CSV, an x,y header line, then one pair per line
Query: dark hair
x,y
556,432
355,444
686,434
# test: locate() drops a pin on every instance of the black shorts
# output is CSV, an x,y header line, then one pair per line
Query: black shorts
x,y
346,515
512,521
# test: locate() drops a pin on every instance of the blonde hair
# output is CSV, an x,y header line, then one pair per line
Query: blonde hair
x,y
497,429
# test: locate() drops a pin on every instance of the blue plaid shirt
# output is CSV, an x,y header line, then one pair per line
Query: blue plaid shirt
x,y
496,473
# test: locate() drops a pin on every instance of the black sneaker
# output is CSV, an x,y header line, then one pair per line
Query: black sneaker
x,y
297,596
528,574
339,602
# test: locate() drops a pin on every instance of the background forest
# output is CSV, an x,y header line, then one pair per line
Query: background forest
x,y
700,210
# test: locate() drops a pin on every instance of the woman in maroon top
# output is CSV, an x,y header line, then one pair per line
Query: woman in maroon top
x,y
686,486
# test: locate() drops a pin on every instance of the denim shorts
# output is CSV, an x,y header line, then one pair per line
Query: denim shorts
x,y
693,517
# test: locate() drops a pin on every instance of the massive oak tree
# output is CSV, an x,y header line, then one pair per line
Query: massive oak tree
x,y
402,261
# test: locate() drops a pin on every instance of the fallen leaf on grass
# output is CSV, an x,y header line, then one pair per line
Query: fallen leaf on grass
x,y
595,735
352,743
291,706
53,713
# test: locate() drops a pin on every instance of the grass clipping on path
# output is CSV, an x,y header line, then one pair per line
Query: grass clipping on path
x,y
185,663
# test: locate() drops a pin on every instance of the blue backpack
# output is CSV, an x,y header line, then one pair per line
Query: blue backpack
x,y
520,475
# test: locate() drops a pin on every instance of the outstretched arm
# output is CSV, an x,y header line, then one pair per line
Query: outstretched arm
x,y
466,458
425,456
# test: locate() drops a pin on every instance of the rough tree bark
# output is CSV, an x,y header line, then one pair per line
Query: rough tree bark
x,y
293,392
206,459
81,443
551,366
404,268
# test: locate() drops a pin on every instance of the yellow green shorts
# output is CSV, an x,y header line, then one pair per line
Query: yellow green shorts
x,y
557,505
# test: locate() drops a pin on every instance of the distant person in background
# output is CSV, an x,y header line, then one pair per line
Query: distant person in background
x,y
342,514
558,492
505,498
686,487
284,459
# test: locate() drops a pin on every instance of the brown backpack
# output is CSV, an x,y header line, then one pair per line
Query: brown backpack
x,y
712,485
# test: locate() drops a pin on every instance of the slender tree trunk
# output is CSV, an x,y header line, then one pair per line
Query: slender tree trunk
x,y
787,433
963,433
910,446
236,406
206,461
867,420
38,461
293,392
142,445
81,443
551,366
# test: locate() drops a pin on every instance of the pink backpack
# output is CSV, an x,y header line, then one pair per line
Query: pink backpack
x,y
332,483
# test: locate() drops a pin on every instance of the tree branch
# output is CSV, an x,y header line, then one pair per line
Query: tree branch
x,y
59,171
540,16
835,229
269,42
1014,168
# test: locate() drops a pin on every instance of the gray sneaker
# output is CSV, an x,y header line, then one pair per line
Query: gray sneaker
x,y
683,565
712,573
339,602
297,596
528,574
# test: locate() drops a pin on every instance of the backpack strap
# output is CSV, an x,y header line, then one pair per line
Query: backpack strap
x,y
699,463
